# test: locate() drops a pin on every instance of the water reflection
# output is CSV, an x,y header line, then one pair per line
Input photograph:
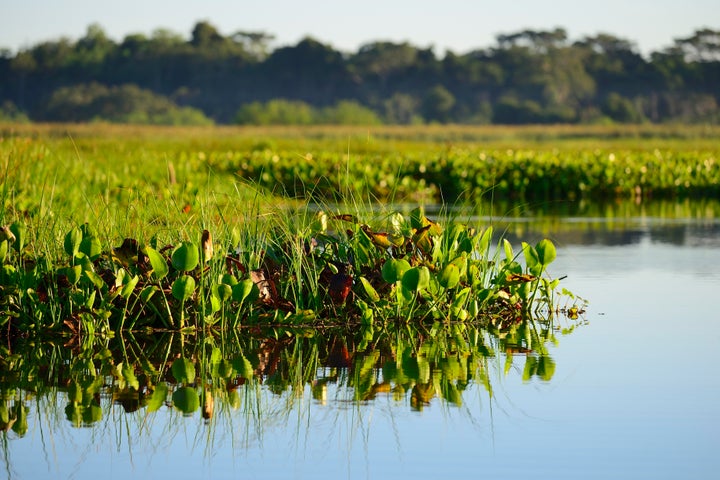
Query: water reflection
x,y
87,382
688,222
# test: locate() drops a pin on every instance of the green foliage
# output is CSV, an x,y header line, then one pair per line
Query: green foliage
x,y
530,76
120,104
289,112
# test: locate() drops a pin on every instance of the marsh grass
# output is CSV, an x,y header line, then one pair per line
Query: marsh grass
x,y
113,235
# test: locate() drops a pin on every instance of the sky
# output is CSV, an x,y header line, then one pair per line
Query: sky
x,y
457,25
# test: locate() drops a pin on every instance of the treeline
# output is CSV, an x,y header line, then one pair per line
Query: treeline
x,y
526,77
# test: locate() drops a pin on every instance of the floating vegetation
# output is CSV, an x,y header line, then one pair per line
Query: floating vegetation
x,y
308,269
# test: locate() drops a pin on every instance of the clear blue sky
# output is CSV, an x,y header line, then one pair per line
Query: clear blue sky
x,y
458,25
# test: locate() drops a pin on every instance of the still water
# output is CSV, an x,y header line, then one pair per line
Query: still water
x,y
634,392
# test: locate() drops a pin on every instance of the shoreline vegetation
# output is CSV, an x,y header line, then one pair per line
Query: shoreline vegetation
x,y
104,232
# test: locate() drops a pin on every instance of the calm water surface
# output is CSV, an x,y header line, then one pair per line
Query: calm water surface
x,y
635,393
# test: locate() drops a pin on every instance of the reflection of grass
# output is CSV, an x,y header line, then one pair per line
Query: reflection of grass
x,y
265,381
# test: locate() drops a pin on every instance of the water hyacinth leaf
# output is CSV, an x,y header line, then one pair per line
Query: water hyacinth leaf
x,y
91,247
215,302
416,218
147,293
222,291
73,274
158,263
185,257
532,259
129,287
186,400
158,397
72,242
369,290
546,252
84,261
225,369
394,269
507,246
416,279
450,276
243,366
183,370
245,290
128,375
183,288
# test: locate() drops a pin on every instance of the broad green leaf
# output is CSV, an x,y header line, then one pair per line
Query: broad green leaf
x,y
243,366
91,247
183,370
507,246
245,290
450,276
546,252
147,293
185,257
73,274
158,263
394,269
222,291
531,259
186,400
183,287
129,287
72,242
158,397
416,279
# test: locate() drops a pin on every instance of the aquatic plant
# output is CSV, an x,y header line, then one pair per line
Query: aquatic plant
x,y
312,268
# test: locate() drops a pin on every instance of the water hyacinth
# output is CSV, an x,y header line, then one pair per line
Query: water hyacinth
x,y
339,270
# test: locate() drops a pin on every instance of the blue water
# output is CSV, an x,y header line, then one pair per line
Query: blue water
x,y
635,395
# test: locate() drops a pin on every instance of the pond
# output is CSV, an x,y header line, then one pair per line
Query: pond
x,y
628,390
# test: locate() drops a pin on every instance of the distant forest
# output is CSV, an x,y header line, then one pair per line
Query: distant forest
x,y
529,76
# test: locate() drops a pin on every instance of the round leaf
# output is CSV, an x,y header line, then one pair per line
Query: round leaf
x,y
416,279
186,400
394,269
450,276
546,251
91,247
185,257
183,288
245,290
183,370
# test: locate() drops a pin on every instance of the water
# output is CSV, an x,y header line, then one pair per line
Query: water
x,y
634,393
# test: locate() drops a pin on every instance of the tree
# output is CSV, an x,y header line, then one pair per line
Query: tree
x,y
437,104
119,104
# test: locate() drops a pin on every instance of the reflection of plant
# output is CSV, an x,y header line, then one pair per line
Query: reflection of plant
x,y
411,364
